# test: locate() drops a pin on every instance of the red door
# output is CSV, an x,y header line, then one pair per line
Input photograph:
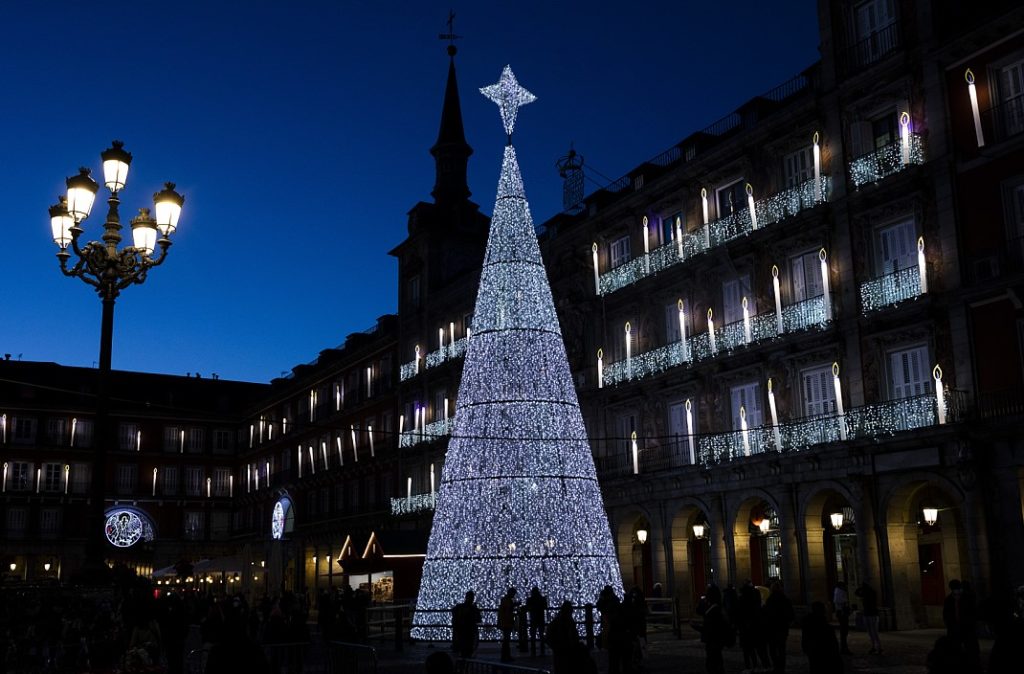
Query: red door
x,y
933,582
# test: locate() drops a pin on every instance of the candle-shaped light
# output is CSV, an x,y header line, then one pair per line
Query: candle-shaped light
x,y
647,247
750,206
5,476
408,488
312,460
704,203
972,91
401,423
689,432
209,482
341,453
827,296
231,486
775,417
711,332
682,330
355,447
67,476
629,351
417,359
252,433
636,454
446,409
778,300
922,268
600,368
256,472
905,138
323,453
679,236
181,443
840,412
451,332
369,436
248,477
816,149
154,482
431,479
597,271
138,441
39,477
74,428
744,432
746,321
440,339
940,394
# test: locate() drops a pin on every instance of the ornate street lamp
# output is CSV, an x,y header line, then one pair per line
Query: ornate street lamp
x,y
837,520
931,516
641,536
109,270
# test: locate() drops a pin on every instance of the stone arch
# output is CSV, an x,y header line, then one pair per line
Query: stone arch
x,y
635,558
832,554
752,551
693,559
923,557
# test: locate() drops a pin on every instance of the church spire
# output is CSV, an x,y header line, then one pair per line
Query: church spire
x,y
451,151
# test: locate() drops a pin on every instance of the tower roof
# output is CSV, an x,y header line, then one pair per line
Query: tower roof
x,y
451,151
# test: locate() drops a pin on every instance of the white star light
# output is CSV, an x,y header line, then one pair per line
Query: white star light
x,y
509,96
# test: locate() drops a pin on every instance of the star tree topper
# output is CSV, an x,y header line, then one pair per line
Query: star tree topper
x,y
509,96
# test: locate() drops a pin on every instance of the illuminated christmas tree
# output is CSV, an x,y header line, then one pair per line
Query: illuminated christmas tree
x,y
519,503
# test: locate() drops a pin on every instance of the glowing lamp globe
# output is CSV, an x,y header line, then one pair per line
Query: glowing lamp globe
x,y
61,223
698,531
931,516
837,520
144,231
764,525
168,209
46,566
641,535
82,191
115,166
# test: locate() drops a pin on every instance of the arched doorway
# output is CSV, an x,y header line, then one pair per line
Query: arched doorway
x,y
927,549
757,539
692,557
641,558
830,528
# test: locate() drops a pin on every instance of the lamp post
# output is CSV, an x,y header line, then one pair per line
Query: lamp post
x,y
109,270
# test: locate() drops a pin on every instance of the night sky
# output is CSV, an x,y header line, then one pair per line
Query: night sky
x,y
299,133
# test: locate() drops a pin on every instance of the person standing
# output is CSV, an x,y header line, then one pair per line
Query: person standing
x,y
564,639
537,608
714,631
841,603
507,623
869,599
778,616
818,642
465,619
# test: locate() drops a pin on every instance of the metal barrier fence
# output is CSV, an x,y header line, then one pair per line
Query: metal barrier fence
x,y
463,666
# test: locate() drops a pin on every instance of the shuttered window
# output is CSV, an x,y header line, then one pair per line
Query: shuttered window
x,y
897,247
818,391
805,276
747,396
733,293
909,374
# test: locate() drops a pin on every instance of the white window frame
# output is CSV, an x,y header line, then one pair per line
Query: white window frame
x,y
905,364
749,396
21,476
194,476
726,186
805,276
49,521
798,166
906,258
619,252
733,291
823,401
53,477
127,436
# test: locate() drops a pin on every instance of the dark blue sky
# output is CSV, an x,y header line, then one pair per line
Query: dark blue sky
x,y
299,131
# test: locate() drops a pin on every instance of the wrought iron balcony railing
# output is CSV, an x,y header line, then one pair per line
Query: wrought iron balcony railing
x,y
871,49
428,433
1004,120
728,338
890,289
769,211
887,160
456,349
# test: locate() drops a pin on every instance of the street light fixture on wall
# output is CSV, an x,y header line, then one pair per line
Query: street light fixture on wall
x,y
837,520
698,531
641,536
931,516
109,270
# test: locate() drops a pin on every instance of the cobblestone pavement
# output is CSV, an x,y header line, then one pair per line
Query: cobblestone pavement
x,y
903,653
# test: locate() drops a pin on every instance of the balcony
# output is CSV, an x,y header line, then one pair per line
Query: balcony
x,y
769,211
456,349
871,49
886,161
891,289
869,422
1004,121
728,339
429,433
413,504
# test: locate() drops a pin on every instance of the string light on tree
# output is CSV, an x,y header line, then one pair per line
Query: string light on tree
x,y
518,472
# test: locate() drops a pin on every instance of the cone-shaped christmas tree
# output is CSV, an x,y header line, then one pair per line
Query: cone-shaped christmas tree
x,y
519,503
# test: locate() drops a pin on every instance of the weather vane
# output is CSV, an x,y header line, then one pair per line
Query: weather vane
x,y
450,35
509,96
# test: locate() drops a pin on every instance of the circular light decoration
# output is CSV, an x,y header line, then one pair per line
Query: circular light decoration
x,y
125,528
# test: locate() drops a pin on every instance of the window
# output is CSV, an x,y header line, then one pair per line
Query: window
x,y
1011,98
1014,200
221,480
677,429
325,500
412,291
672,323
221,441
872,19
620,251
819,391
193,525
19,476
53,477
127,475
668,227
172,439
83,433
170,475
467,324
81,477
194,440
17,520
24,429
56,431
193,480
909,374
799,166
896,246
439,398
747,396
625,426
220,525
49,521
884,130
731,198
127,436
805,276
733,292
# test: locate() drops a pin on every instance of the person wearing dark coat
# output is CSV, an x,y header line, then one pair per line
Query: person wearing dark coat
x,y
869,610
507,623
751,627
818,642
714,631
564,640
465,619
959,615
778,616
537,608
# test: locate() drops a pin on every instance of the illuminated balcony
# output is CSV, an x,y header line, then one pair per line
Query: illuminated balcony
x,y
890,289
729,338
429,433
456,349
413,504
770,211
886,161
